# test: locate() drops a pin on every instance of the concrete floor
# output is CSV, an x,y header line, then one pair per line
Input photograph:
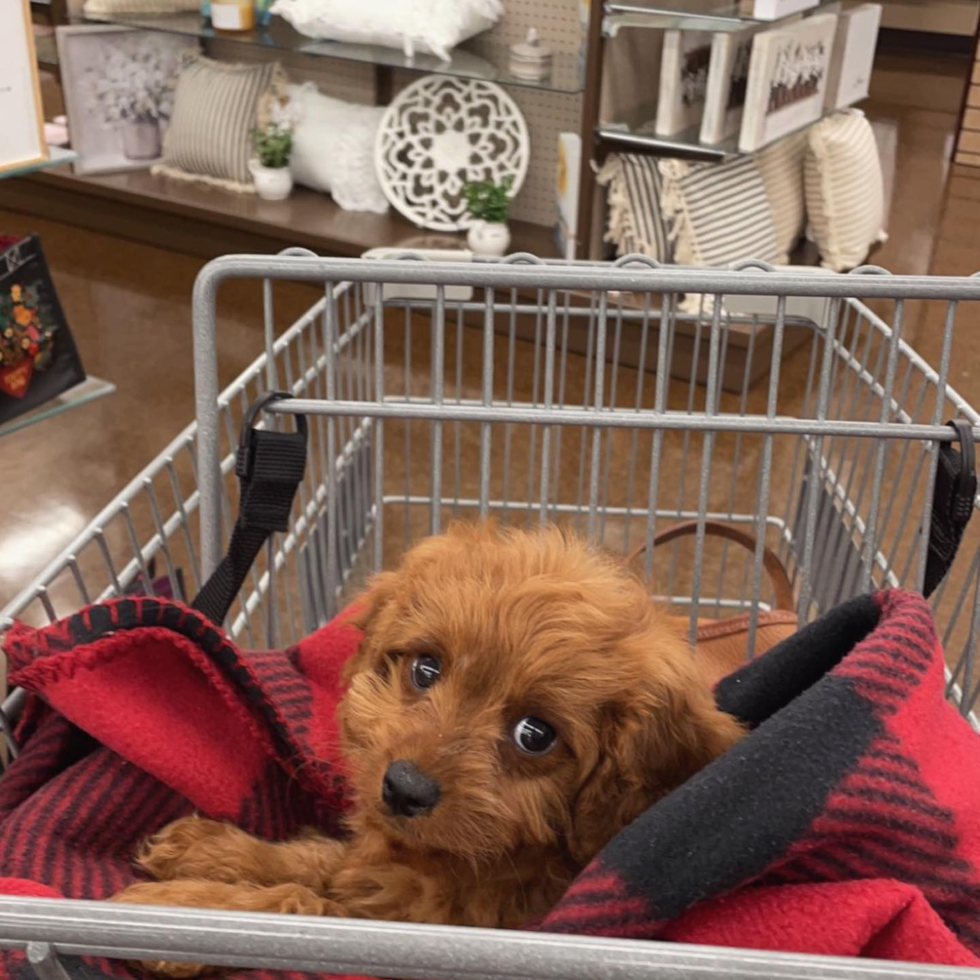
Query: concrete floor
x,y
129,308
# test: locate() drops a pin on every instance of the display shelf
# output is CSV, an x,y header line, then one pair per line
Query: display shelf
x,y
624,138
58,156
88,391
478,58
686,15
207,221
683,146
46,47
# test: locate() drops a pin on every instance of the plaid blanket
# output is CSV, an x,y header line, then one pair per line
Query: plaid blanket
x,y
847,822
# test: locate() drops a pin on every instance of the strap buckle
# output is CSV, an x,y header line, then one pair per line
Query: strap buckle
x,y
245,456
966,484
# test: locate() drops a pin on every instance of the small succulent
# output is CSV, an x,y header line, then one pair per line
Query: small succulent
x,y
487,201
273,144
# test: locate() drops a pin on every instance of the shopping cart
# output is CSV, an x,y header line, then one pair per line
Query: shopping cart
x,y
616,399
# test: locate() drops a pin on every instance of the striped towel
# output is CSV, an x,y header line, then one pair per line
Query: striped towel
x,y
636,223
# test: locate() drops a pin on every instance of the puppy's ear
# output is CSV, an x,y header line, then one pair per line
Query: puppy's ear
x,y
653,740
368,610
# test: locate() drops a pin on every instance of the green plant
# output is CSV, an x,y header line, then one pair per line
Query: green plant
x,y
487,201
273,144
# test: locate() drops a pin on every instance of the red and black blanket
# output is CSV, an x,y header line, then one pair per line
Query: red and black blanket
x,y
847,822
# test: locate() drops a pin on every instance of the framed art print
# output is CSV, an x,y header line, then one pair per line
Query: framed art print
x,y
119,93
683,80
787,80
22,136
728,79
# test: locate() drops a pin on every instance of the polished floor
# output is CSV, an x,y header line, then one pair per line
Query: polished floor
x,y
129,308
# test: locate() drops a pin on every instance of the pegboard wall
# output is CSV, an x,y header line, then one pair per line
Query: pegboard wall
x,y
557,22
348,80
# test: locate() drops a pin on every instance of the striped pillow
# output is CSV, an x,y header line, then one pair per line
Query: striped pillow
x,y
781,166
844,189
636,223
216,105
718,213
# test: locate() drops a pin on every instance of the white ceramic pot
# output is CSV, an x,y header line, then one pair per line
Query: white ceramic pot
x,y
141,139
488,237
271,183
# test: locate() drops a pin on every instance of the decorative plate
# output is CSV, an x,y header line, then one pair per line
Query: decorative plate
x,y
441,133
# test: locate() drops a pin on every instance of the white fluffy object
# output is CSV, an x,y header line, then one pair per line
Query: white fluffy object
x,y
333,148
435,26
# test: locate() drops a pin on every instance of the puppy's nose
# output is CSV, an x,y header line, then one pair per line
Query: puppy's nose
x,y
407,791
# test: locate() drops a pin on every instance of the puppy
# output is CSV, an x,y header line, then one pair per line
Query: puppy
x,y
516,700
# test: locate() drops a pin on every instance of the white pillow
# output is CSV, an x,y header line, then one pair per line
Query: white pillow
x,y
781,166
412,25
844,189
333,148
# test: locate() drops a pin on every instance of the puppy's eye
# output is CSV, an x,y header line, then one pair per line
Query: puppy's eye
x,y
534,736
426,670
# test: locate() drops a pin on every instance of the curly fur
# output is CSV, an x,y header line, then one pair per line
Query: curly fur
x,y
523,623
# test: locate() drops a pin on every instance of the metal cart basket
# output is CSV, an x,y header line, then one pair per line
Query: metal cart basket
x,y
616,399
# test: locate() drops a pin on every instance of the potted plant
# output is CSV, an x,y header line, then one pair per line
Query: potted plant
x,y
133,87
489,205
273,144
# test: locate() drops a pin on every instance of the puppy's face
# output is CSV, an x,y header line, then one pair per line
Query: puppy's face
x,y
517,689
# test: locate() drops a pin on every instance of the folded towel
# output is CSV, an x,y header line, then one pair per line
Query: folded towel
x,y
847,822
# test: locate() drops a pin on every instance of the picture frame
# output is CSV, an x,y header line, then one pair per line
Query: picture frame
x,y
853,57
788,77
21,109
116,122
728,79
683,80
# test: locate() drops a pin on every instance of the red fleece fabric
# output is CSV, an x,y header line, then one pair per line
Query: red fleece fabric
x,y
846,823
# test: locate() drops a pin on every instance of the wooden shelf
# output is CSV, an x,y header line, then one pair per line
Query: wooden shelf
x,y
205,221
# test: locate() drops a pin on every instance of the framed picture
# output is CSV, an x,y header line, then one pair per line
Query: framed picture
x,y
683,80
787,80
20,90
119,92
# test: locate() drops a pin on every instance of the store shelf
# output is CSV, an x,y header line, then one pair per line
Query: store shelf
x,y
46,46
88,391
619,137
207,222
477,58
685,15
57,156
683,146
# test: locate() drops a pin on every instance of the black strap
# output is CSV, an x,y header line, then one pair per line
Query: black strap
x,y
952,503
270,467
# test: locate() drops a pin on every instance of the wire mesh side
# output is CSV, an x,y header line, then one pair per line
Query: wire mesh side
x,y
805,420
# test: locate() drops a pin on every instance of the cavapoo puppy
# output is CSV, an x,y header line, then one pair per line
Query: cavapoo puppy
x,y
516,700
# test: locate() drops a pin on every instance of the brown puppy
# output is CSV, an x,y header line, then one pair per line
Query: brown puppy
x,y
516,700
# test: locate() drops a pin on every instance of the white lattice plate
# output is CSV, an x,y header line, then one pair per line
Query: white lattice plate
x,y
441,133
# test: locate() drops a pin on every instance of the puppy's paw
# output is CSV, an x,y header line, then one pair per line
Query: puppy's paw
x,y
288,899
193,847
162,893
